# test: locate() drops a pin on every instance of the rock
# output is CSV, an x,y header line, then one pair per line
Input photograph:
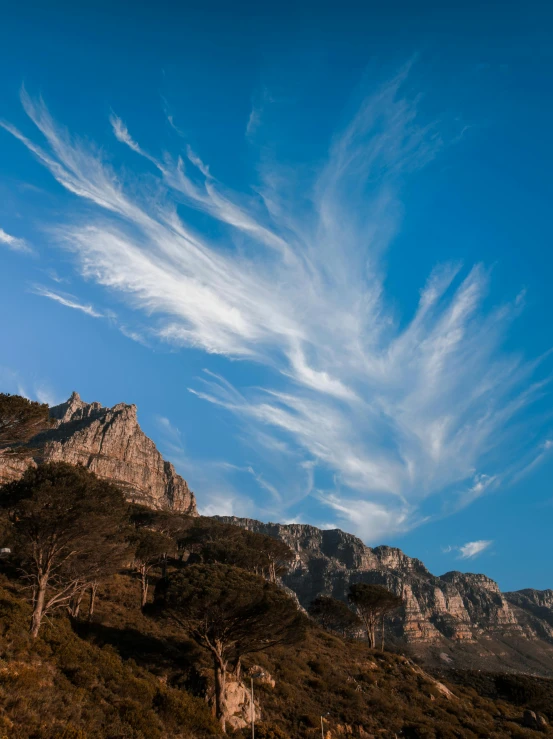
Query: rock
x,y
109,442
529,719
261,676
238,700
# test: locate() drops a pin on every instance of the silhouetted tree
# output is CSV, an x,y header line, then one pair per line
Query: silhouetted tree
x,y
230,613
334,615
150,550
63,518
21,419
91,568
372,603
215,541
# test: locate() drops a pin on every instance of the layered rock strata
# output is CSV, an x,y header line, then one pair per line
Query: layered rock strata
x,y
455,607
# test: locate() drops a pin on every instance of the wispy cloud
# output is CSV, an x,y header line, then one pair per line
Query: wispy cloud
x,y
68,300
14,243
472,549
393,412
41,390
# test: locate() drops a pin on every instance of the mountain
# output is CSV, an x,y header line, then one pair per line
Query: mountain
x,y
454,621
108,441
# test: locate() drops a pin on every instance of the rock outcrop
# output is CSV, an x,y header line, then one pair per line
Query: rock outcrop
x,y
110,442
452,615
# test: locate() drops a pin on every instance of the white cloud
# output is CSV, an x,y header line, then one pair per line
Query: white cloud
x,y
69,301
473,548
395,410
13,243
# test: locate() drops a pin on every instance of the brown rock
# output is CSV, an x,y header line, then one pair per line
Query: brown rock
x,y
109,442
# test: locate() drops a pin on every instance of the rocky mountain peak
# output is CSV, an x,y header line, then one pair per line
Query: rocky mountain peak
x,y
110,442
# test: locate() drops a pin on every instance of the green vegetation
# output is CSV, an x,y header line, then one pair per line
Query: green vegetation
x,y
68,531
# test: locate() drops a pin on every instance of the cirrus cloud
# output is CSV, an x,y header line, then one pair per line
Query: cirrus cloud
x,y
291,277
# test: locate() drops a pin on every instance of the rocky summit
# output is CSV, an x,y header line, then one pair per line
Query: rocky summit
x,y
109,442
454,621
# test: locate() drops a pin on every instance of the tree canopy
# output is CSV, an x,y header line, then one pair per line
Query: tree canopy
x,y
372,603
230,613
151,548
228,544
334,615
66,523
21,419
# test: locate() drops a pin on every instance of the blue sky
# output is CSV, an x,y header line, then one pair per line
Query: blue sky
x,y
311,242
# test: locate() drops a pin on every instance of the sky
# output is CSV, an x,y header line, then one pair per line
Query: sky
x,y
311,242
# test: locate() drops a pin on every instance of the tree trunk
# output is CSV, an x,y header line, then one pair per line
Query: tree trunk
x,y
92,601
382,642
75,606
237,669
220,697
38,605
371,633
143,587
371,637
164,566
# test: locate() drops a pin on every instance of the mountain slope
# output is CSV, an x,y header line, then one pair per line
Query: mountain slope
x,y
110,442
455,620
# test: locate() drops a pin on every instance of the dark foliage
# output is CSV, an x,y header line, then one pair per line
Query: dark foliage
x,y
334,615
230,613
67,524
151,549
216,542
21,419
372,603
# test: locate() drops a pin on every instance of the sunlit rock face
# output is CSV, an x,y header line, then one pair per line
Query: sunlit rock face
x,y
456,607
109,442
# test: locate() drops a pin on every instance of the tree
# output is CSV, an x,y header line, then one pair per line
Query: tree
x,y
372,603
334,615
21,419
229,544
230,613
64,519
151,549
90,568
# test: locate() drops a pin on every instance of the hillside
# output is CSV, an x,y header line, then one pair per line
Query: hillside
x,y
127,675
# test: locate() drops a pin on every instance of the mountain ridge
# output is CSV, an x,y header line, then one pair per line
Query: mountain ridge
x,y
452,619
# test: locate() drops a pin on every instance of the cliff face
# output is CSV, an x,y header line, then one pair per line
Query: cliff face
x,y
459,613
110,442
